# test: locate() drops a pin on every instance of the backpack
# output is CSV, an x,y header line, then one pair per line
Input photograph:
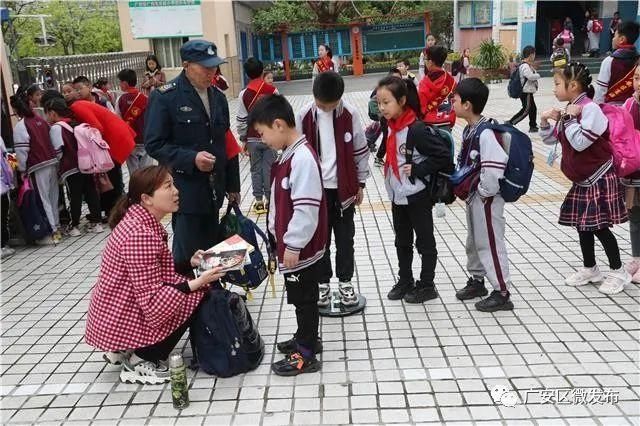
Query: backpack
x,y
253,274
373,110
224,339
566,36
596,27
517,175
439,185
93,151
34,219
518,172
624,139
455,67
559,57
515,85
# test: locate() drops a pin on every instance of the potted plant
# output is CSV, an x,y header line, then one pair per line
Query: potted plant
x,y
490,61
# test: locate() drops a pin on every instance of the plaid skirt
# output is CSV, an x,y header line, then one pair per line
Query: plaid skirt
x,y
595,207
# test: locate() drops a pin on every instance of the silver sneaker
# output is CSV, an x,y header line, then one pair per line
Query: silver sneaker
x,y
615,282
347,294
144,372
440,210
324,296
584,276
7,252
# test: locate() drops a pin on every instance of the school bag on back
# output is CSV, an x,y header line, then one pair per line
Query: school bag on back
x,y
519,170
515,85
624,139
559,57
596,27
93,151
224,339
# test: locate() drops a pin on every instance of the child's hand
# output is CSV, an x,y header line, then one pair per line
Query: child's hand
x,y
359,197
551,114
406,169
290,259
574,109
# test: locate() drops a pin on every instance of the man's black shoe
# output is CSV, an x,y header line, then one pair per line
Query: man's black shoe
x,y
294,364
533,130
474,288
290,346
421,293
495,302
400,289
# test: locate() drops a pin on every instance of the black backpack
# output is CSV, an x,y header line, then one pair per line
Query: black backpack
x,y
224,339
515,86
455,67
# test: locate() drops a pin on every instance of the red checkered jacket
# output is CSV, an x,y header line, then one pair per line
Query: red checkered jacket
x,y
135,302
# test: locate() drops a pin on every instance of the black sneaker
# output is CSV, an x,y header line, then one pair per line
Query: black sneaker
x,y
400,289
533,130
474,288
421,293
290,346
495,302
294,364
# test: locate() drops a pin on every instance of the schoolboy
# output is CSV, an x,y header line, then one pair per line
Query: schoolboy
x,y
297,221
131,106
615,80
485,247
262,157
333,128
435,90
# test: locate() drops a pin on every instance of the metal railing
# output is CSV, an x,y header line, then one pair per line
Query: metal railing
x,y
53,71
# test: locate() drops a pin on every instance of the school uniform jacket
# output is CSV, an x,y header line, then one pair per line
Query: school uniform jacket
x,y
297,213
352,151
65,142
615,80
492,159
431,154
586,152
131,106
33,144
139,298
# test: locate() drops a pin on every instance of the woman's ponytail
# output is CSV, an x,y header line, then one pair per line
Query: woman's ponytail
x,y
119,210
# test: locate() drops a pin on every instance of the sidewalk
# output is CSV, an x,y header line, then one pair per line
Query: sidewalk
x,y
395,363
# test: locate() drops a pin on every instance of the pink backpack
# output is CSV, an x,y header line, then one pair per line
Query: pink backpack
x,y
566,36
93,151
624,139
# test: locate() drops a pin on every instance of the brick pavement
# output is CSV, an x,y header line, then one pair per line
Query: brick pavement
x,y
395,363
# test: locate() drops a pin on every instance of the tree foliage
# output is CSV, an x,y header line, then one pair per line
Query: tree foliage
x,y
78,27
310,15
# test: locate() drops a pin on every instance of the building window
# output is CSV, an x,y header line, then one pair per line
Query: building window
x,y
168,51
475,13
509,12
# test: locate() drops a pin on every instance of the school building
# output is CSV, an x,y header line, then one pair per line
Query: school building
x,y
518,23
162,26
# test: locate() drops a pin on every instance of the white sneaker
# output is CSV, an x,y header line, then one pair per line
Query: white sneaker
x,y
347,294
615,282
144,372
441,210
116,358
584,276
324,295
74,232
95,228
7,251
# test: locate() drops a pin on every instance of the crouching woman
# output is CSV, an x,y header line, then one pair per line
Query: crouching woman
x,y
141,306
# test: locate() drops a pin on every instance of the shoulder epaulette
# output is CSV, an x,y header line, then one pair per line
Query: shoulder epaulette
x,y
167,88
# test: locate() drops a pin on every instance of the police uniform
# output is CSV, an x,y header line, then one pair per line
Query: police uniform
x,y
177,127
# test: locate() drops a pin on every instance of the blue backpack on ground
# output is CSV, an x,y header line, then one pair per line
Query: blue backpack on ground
x,y
253,274
32,215
515,86
224,339
519,170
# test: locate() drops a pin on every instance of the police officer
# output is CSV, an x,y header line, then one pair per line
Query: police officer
x,y
185,126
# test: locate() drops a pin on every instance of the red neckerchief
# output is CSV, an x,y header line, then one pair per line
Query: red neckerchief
x,y
396,125
324,64
261,88
136,108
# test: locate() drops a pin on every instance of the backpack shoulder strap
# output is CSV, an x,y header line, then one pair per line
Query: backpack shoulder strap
x,y
64,125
